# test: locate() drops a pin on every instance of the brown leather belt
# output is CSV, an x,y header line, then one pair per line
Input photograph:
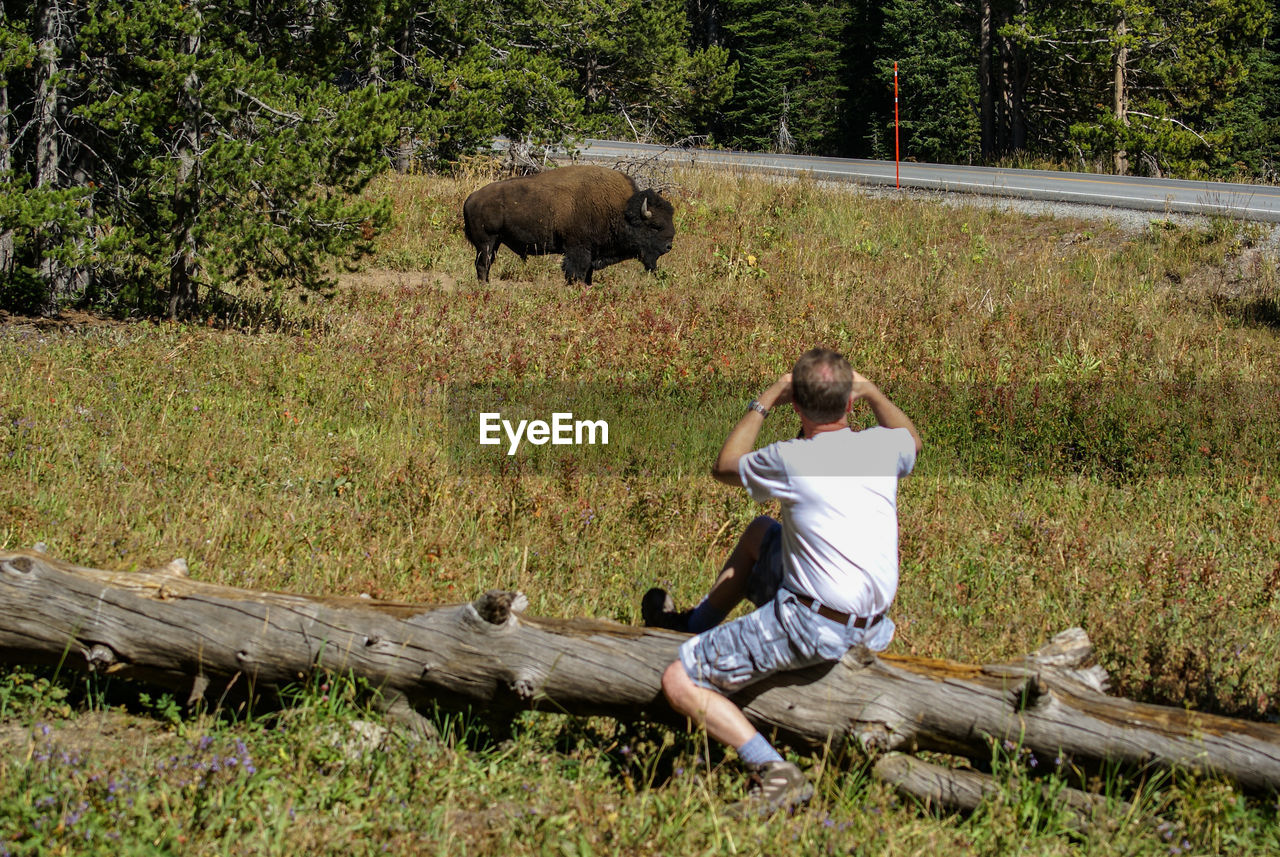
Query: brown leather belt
x,y
836,616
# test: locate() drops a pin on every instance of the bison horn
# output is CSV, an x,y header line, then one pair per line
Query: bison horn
x,y
644,209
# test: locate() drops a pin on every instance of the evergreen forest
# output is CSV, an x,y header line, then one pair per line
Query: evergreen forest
x,y
152,152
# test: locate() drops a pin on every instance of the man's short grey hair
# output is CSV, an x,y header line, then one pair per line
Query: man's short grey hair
x,y
821,383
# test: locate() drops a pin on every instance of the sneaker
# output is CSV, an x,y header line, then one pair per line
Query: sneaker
x,y
657,610
775,787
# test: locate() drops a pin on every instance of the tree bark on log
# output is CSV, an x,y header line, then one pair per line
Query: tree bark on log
x,y
201,639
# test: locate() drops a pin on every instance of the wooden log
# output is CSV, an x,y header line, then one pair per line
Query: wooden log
x,y
939,787
199,638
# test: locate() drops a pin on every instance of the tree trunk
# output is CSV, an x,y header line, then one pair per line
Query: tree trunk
x,y
986,94
1018,89
78,279
704,16
404,70
46,142
1120,98
6,235
183,263
162,627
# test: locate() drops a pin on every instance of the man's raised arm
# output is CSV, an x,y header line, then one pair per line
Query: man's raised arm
x,y
887,413
742,439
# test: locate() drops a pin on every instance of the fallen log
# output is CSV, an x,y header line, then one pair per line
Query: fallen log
x,y
939,787
198,638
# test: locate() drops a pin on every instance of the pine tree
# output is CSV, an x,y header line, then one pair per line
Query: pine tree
x,y
15,51
174,150
792,87
630,63
934,45
43,221
1141,83
1002,79
1252,126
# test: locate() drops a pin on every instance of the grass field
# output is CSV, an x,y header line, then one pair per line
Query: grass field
x,y
1100,413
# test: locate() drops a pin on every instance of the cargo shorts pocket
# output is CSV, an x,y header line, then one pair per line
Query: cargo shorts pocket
x,y
831,639
815,637
712,661
731,670
735,654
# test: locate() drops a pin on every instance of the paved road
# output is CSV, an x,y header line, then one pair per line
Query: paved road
x,y
1169,196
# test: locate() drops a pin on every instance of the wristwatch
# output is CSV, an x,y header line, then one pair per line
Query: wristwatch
x,y
754,405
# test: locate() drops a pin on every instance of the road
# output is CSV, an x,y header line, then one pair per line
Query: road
x,y
1168,196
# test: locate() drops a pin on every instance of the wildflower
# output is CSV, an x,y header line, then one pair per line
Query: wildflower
x,y
71,818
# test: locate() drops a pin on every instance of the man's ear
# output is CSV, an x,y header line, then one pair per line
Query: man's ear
x,y
848,406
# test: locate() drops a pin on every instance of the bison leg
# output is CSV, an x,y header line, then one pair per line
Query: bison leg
x,y
577,265
484,259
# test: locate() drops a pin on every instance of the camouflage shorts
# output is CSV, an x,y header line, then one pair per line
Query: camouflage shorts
x,y
781,634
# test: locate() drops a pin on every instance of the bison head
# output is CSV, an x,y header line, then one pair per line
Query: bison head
x,y
650,226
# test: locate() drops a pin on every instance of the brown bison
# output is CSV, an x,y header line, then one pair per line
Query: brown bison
x,y
595,216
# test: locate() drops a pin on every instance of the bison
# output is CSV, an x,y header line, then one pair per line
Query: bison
x,y
595,216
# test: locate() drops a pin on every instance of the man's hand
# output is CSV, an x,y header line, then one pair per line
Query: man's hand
x,y
779,393
861,386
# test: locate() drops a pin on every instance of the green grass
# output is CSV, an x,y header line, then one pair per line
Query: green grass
x,y
1100,419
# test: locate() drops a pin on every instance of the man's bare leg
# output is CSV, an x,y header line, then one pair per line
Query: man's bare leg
x,y
726,592
723,720
730,586
780,785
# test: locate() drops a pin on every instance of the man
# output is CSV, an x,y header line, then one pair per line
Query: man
x,y
821,579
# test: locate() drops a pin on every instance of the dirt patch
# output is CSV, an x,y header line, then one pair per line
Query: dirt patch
x,y
62,322
99,735
381,280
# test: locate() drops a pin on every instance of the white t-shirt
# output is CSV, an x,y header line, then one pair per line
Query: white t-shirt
x,y
839,495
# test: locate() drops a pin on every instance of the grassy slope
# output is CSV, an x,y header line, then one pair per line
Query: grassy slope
x,y
1100,416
